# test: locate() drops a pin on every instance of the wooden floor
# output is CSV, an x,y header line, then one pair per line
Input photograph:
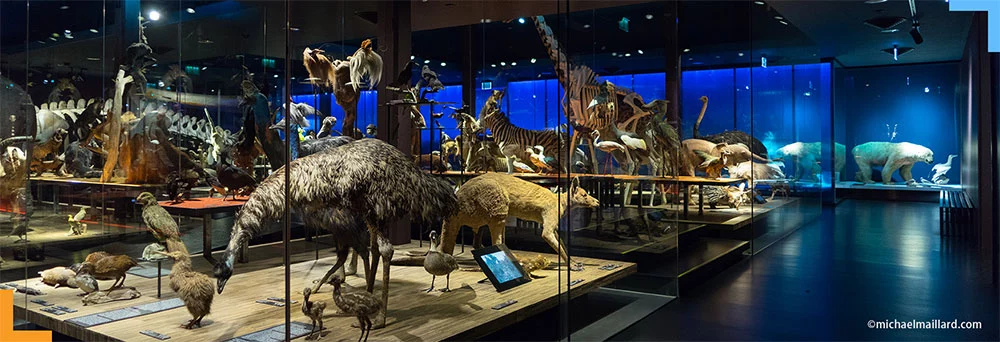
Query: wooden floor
x,y
863,260
463,314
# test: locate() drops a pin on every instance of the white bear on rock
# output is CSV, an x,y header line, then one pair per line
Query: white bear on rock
x,y
807,158
891,156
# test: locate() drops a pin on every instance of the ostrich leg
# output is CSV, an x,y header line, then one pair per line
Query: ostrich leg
x,y
385,250
341,258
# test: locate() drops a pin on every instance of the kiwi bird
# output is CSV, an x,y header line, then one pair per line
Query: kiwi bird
x,y
365,62
438,263
361,304
354,189
157,220
194,288
109,267
313,310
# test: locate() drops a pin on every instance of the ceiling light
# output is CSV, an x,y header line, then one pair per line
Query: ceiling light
x,y
687,50
69,36
520,20
52,39
55,35
204,67
783,22
190,10
64,7
874,1
93,59
427,61
740,54
779,17
927,89
503,63
628,54
513,63
94,31
759,2
294,29
67,32
639,51
160,84
154,15
649,17
533,61
412,57
586,26
614,54
444,64
493,65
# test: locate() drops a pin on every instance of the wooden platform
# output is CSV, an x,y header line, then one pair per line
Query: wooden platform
x,y
688,180
463,314
734,219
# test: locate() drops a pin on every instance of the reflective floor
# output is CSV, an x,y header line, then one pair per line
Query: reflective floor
x,y
863,260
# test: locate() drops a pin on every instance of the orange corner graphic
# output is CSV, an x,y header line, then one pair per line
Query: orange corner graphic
x,y
7,332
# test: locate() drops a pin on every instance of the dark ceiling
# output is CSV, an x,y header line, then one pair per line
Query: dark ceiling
x,y
715,33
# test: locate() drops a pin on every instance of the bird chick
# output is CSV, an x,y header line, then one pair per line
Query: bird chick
x,y
438,263
194,288
157,219
360,303
313,310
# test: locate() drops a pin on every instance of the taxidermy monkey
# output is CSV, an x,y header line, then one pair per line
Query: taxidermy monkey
x,y
489,199
892,157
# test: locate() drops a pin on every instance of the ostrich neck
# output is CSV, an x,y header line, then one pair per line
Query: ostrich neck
x,y
704,107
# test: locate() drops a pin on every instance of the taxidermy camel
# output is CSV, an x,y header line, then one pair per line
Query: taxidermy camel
x,y
353,189
489,199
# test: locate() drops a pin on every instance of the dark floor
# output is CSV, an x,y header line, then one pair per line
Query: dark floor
x,y
866,260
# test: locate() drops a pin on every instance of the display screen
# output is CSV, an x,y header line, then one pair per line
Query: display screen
x,y
503,268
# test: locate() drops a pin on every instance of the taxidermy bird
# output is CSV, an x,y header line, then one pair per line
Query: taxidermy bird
x,y
157,220
543,163
604,95
365,62
437,263
86,282
521,167
430,80
232,178
298,115
310,147
194,288
76,225
610,146
313,310
940,170
108,267
361,304
320,68
370,183
403,79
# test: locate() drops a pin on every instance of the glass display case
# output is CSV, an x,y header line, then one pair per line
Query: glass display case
x,y
614,152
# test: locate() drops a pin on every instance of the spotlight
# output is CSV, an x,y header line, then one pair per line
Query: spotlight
x,y
586,26
614,54
427,61
412,57
520,20
160,84
503,63
639,51
779,17
759,2
444,64
687,50
915,33
649,17
740,54
493,65
94,31
927,89
628,54
154,15
190,10
64,7
52,39
783,22
204,67
67,32
275,75
533,61
513,63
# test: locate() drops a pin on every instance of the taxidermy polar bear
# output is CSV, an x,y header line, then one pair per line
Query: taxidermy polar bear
x,y
891,156
807,158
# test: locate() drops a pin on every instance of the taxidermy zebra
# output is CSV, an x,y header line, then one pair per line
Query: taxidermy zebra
x,y
364,183
513,140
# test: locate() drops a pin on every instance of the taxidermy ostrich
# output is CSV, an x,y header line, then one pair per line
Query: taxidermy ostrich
x,y
355,189
365,62
729,137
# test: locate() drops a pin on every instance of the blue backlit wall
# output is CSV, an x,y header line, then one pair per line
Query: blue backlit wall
x,y
920,101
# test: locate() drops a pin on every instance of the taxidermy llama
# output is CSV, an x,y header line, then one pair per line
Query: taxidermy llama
x,y
361,184
489,199
892,157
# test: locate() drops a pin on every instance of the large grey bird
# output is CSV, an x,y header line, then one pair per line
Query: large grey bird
x,y
298,114
157,219
430,79
310,147
354,189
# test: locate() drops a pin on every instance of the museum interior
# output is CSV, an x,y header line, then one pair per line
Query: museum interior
x,y
667,170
